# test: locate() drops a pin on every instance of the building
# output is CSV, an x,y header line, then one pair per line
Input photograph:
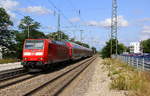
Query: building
x,y
135,47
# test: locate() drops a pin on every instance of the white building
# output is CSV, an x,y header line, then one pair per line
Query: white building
x,y
135,47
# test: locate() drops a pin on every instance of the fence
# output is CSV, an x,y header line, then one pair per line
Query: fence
x,y
138,62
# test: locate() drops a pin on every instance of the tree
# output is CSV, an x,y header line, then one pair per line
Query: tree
x,y
106,49
94,50
27,23
85,45
6,35
72,39
146,46
59,35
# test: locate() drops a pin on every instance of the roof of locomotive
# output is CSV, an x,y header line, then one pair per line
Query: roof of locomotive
x,y
39,39
51,41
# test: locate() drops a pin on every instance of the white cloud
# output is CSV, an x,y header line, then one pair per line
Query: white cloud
x,y
92,23
144,20
145,33
122,22
12,15
144,37
107,22
9,5
48,27
75,19
37,10
146,30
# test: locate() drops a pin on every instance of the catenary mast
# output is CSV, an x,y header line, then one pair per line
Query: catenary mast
x,y
114,27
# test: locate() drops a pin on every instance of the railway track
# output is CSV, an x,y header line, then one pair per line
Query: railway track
x,y
62,81
54,85
14,76
12,73
18,79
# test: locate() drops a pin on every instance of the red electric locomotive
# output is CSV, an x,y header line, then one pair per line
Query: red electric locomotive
x,y
41,53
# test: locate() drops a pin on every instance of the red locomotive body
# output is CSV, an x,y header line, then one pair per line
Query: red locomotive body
x,y
41,53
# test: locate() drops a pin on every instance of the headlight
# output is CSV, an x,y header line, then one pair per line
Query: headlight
x,y
25,58
39,53
40,58
27,53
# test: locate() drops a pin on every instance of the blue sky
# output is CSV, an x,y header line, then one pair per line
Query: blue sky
x,y
94,18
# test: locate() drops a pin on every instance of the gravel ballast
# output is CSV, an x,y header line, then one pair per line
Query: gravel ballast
x,y
100,83
79,85
94,81
22,88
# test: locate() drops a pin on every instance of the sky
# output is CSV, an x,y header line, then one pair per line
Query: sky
x,y
91,17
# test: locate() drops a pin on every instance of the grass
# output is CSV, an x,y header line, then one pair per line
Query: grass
x,y
2,61
125,77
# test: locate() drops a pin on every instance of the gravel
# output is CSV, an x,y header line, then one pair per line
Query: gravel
x,y
100,83
94,81
22,88
80,85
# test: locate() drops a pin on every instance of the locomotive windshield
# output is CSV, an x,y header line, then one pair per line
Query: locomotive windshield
x,y
34,44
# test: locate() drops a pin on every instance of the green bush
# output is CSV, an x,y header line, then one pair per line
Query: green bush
x,y
2,61
125,77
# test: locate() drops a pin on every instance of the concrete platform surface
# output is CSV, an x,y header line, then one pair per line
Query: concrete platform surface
x,y
10,66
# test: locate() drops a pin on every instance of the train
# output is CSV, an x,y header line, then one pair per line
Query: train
x,y
43,53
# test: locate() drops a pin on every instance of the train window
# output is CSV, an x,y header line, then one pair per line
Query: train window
x,y
54,42
34,44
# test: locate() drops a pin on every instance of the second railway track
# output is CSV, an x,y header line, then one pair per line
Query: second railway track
x,y
52,83
12,73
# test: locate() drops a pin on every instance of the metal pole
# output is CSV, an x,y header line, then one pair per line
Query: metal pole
x,y
133,61
129,60
74,35
81,32
143,64
116,45
111,46
114,27
137,61
59,33
28,31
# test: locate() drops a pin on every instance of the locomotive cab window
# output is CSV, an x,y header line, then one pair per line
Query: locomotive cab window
x,y
34,44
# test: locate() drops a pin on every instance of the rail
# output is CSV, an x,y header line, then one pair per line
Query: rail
x,y
68,77
12,73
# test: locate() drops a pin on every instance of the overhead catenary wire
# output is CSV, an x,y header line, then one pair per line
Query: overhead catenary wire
x,y
60,12
80,17
76,9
